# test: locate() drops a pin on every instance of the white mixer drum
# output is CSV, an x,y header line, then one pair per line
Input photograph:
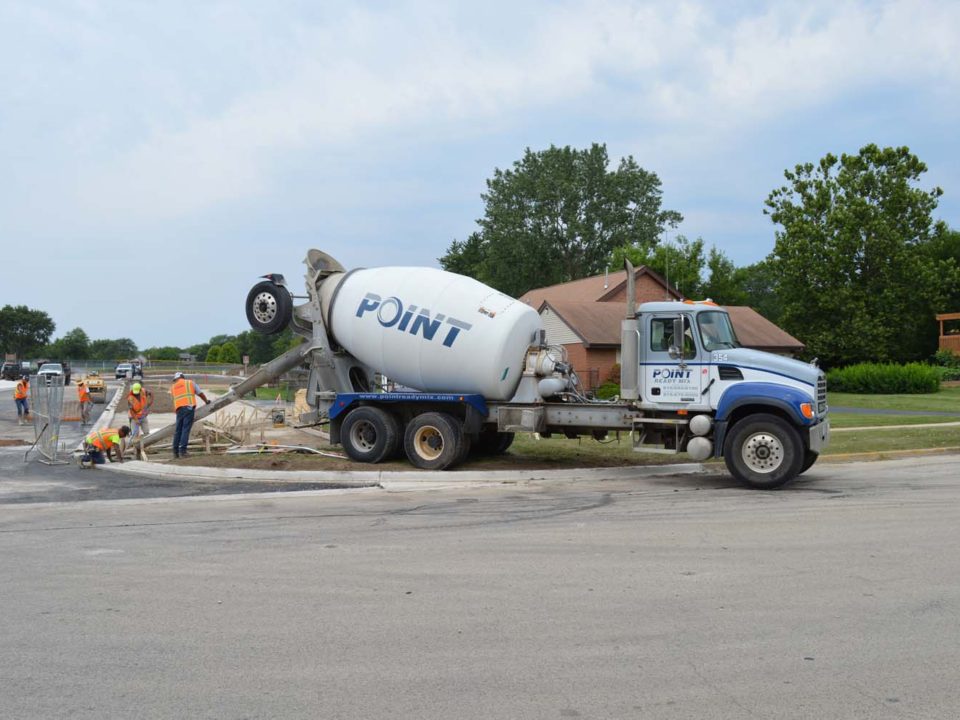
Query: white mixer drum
x,y
432,330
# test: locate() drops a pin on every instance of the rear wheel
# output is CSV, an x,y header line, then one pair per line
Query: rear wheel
x,y
433,441
763,451
269,307
370,435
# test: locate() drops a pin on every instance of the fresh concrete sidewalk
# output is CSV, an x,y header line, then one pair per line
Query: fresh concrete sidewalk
x,y
397,480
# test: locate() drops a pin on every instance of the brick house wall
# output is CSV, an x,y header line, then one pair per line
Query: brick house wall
x,y
593,365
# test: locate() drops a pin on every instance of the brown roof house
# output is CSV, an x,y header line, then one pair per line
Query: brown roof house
x,y
584,316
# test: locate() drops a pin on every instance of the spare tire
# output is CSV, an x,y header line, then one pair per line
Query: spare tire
x,y
269,307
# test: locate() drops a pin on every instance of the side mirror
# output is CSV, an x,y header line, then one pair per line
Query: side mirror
x,y
676,349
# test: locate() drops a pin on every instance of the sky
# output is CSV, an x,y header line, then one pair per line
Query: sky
x,y
157,158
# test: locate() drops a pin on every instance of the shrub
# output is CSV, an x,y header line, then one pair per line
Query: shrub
x,y
608,390
947,358
885,378
948,373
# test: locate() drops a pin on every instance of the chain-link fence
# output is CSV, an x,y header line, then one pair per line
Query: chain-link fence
x,y
46,400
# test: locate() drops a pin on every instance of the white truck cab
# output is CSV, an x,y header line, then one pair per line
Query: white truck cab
x,y
701,392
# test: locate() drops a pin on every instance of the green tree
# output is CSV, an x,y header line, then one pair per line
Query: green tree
x,y
113,350
259,347
167,352
287,340
944,246
24,332
725,281
213,354
229,353
761,289
856,281
74,345
681,263
556,216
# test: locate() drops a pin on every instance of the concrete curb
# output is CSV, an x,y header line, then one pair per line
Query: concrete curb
x,y
886,455
395,480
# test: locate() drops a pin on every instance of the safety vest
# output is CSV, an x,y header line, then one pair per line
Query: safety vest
x,y
20,391
104,439
138,404
83,393
184,394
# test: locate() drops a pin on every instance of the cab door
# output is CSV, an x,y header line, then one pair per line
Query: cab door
x,y
671,380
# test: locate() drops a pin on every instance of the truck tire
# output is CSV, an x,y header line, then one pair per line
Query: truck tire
x,y
466,444
763,451
491,442
269,307
809,458
433,441
370,435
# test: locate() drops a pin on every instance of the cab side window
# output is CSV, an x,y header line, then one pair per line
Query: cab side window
x,y
661,336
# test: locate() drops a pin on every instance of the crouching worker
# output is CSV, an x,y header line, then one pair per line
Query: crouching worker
x,y
108,441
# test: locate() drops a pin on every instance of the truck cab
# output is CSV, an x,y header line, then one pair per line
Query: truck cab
x,y
701,392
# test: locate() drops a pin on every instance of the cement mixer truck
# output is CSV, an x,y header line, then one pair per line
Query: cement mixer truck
x,y
469,367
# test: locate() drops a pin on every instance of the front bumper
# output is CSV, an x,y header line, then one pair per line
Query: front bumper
x,y
820,436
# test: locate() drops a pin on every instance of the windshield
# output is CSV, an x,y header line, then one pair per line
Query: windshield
x,y
716,332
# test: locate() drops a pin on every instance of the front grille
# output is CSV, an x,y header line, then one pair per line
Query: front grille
x,y
729,372
821,394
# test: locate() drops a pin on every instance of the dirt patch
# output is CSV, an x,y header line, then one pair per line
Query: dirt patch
x,y
308,461
12,443
162,399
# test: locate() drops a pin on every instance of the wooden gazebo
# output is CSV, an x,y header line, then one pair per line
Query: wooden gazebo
x,y
950,332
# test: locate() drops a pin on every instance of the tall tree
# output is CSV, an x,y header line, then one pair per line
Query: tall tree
x,y
113,350
24,332
761,289
74,345
945,246
556,216
854,277
680,262
725,281
229,353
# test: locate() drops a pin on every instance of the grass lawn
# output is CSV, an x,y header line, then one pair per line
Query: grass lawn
x,y
947,400
270,393
893,439
856,420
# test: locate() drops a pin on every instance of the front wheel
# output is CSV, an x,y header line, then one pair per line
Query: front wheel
x,y
809,458
269,307
764,452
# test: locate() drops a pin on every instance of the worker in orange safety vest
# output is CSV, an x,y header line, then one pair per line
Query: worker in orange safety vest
x,y
86,402
185,393
139,402
107,441
20,393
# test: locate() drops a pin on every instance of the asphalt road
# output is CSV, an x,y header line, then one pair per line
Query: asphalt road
x,y
679,597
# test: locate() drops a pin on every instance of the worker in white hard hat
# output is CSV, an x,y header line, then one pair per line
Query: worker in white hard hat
x,y
139,402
